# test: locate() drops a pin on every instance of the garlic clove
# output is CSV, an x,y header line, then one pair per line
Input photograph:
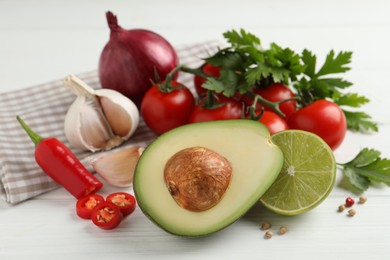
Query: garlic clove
x,y
117,167
118,118
85,126
98,119
94,130
123,116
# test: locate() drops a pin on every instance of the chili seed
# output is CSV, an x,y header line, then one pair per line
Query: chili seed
x,y
268,234
362,199
349,202
351,212
282,230
341,208
120,200
265,226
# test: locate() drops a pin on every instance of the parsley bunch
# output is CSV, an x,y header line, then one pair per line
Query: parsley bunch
x,y
246,65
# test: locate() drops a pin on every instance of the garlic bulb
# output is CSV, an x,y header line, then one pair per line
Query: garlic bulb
x,y
98,119
117,167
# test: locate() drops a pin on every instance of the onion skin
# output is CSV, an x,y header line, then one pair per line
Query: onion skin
x,y
128,61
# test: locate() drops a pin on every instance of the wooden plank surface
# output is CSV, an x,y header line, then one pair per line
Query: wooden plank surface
x,y
45,40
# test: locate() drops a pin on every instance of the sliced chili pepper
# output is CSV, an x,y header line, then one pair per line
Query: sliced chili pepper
x,y
58,162
125,202
85,205
106,215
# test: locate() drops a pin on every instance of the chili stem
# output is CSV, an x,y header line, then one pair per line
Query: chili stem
x,y
34,136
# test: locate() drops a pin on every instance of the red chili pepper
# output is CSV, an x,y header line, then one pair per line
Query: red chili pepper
x,y
106,215
124,201
85,205
58,162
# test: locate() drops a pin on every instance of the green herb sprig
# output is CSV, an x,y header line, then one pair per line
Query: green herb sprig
x,y
367,167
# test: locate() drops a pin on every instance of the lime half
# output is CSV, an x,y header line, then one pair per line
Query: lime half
x,y
308,173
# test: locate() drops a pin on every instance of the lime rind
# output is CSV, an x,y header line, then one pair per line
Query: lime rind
x,y
307,176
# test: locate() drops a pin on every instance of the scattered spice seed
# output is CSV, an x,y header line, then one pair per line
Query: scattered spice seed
x,y
351,212
349,202
341,208
282,230
265,226
362,199
268,234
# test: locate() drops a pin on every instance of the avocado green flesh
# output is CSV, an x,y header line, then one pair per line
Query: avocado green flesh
x,y
256,162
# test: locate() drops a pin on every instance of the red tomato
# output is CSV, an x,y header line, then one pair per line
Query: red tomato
x,y
273,122
229,110
323,118
124,201
106,215
85,205
275,92
209,70
163,111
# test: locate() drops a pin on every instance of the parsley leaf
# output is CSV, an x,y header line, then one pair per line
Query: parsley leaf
x,y
256,72
226,59
245,43
358,183
319,84
351,99
335,64
253,65
360,122
309,59
214,85
365,168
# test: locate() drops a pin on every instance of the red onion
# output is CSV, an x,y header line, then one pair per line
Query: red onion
x,y
128,61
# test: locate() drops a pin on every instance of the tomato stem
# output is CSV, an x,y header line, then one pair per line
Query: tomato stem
x,y
252,113
273,105
195,71
166,85
209,101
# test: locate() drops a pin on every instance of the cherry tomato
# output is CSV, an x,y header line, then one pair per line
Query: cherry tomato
x,y
230,110
273,122
323,118
163,111
106,215
124,201
85,205
209,70
275,92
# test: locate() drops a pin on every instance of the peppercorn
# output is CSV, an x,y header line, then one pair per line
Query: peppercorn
x,y
362,199
349,202
351,212
282,230
268,234
265,226
341,208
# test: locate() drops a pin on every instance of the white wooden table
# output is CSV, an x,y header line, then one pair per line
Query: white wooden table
x,y
45,40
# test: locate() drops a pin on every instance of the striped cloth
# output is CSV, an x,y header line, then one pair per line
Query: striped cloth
x,y
44,107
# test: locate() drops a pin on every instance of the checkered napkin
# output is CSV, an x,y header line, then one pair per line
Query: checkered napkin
x,y
43,108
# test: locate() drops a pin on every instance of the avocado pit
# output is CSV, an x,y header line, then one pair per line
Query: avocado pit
x,y
197,178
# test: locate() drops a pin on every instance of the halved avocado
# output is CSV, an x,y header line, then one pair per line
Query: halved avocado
x,y
244,164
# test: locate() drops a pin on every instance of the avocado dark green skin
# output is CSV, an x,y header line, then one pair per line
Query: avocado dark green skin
x,y
181,235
